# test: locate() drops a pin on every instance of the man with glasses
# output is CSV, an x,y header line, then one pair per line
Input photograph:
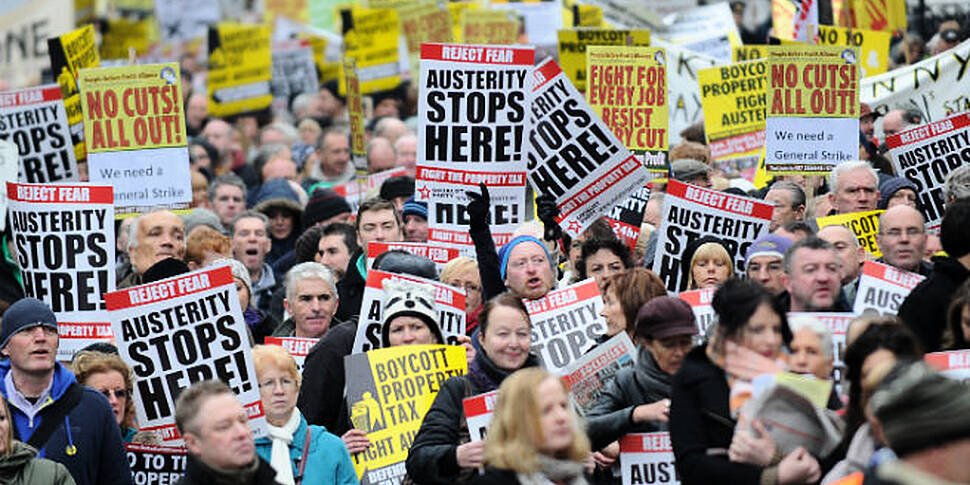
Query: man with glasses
x,y
763,262
902,239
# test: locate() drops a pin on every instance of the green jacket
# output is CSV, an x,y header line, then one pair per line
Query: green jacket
x,y
21,468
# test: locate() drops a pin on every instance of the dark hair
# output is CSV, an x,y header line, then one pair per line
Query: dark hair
x,y
811,242
190,402
308,243
955,229
341,229
504,299
954,317
377,204
591,246
633,289
799,226
737,300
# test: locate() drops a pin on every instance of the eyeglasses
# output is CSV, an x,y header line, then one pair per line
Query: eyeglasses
x,y
119,393
537,261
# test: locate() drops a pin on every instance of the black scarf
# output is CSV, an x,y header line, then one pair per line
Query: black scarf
x,y
486,376
653,382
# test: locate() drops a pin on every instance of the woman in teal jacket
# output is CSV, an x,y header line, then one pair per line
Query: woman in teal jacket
x,y
317,459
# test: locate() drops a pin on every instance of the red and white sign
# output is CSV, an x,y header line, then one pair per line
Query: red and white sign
x,y
566,323
954,364
298,347
700,303
34,119
647,458
478,413
438,254
837,323
882,288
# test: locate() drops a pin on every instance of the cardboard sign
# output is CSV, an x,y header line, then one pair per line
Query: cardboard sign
x,y
298,347
700,304
574,156
388,393
437,254
954,364
925,155
813,108
691,212
489,27
24,25
566,323
478,414
883,288
156,464
65,244
181,330
587,377
70,53
865,226
837,323
34,119
626,217
647,458
684,106
473,127
240,69
627,88
449,304
734,99
573,43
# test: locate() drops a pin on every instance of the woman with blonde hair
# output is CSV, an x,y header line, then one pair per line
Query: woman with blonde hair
x,y
709,263
462,272
19,464
535,437
111,376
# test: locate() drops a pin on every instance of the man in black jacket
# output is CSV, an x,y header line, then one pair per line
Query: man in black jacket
x,y
812,279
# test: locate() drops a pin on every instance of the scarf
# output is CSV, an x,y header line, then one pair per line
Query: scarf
x,y
653,383
486,376
742,365
556,470
280,453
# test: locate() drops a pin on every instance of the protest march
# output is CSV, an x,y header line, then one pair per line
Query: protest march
x,y
483,242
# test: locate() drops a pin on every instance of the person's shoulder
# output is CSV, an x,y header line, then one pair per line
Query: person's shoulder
x,y
494,475
321,438
42,470
696,367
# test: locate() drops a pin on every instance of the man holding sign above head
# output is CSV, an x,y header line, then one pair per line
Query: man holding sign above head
x,y
152,237
65,421
812,279
854,187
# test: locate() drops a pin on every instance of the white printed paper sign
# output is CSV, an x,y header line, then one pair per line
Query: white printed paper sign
x,y
954,364
691,212
882,288
574,156
298,347
478,413
181,330
647,458
438,254
700,304
65,246
587,376
35,120
566,323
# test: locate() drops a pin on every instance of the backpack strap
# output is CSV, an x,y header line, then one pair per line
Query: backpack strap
x,y
53,415
306,449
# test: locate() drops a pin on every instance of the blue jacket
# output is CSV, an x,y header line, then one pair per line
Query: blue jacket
x,y
328,461
99,457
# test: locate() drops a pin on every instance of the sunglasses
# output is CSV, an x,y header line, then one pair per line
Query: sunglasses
x,y
119,393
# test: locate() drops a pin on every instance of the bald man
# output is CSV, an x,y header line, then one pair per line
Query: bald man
x,y
902,239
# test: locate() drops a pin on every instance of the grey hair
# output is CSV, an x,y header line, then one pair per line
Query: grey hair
x,y
845,167
245,215
301,102
797,194
305,271
133,227
226,179
798,322
285,129
957,184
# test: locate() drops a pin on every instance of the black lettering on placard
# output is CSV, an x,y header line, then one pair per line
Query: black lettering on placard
x,y
42,143
882,300
373,335
566,337
498,213
155,468
648,473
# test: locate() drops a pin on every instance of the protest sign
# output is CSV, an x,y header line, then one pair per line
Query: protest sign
x,y
473,128
541,19
566,323
34,119
837,324
586,377
8,173
632,14
449,304
935,87
296,10
185,20
882,288
179,331
734,99
748,53
813,108
156,464
573,156
120,34
65,248
388,393
626,217
489,27
240,69
423,23
683,100
298,347
708,30
888,15
355,115
573,44
370,38
700,304
865,226
647,458
24,26
873,46
294,71
69,54
584,16
438,255
692,212
478,414
954,364
365,186
794,20
925,155
627,88
134,126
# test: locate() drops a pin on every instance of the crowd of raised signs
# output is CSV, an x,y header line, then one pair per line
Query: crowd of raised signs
x,y
814,328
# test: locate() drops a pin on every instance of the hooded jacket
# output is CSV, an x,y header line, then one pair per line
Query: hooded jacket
x,y
21,467
89,431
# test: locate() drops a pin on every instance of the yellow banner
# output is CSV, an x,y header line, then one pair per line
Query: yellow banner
x,y
240,69
813,81
873,46
329,71
388,393
455,11
579,15
865,226
69,54
883,15
627,88
490,27
424,23
371,40
748,53
573,43
733,98
121,33
132,107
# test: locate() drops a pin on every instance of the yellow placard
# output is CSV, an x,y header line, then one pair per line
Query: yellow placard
x,y
813,82
329,71
121,33
455,11
240,69
865,226
748,53
573,43
873,46
733,98
389,391
297,10
815,390
761,177
580,15
627,88
371,40
132,107
423,23
492,27
883,15
355,111
69,54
